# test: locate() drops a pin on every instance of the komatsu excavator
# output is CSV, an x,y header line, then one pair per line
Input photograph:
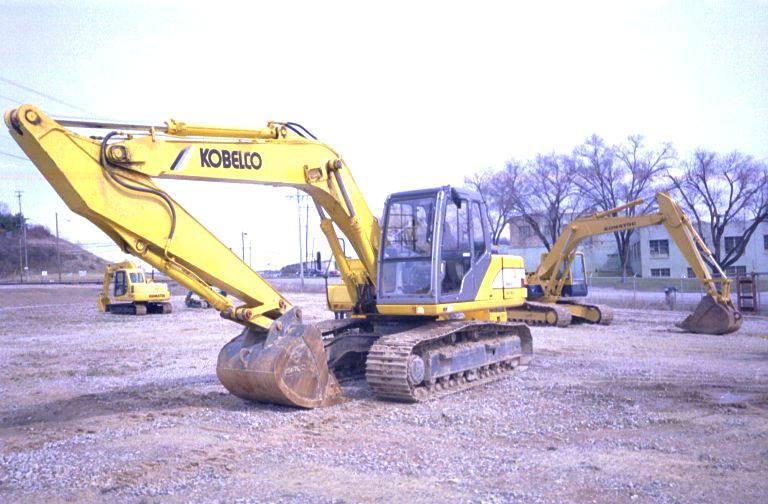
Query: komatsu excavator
x,y
430,299
560,278
131,292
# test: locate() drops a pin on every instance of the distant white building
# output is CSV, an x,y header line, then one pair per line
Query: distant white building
x,y
652,251
654,254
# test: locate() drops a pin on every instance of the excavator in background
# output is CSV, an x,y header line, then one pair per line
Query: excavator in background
x,y
429,296
132,292
192,300
561,279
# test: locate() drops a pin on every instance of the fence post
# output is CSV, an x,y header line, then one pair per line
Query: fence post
x,y
634,292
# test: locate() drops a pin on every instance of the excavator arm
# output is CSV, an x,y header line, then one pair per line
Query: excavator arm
x,y
715,314
108,179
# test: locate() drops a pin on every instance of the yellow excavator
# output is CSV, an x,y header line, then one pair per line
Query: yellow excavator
x,y
560,279
429,296
132,292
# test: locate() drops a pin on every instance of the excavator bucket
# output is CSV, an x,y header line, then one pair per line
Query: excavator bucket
x,y
711,317
287,365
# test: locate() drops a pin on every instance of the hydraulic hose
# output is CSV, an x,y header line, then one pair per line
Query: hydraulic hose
x,y
109,168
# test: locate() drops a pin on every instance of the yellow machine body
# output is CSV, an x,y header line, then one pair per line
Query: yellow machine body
x,y
502,287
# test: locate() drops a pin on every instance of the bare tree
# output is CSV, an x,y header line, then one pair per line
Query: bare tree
x,y
612,176
499,191
548,196
720,190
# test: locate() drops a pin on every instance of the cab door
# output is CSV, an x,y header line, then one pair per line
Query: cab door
x,y
464,255
121,284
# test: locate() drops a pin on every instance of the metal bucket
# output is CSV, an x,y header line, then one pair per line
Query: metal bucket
x,y
287,365
712,317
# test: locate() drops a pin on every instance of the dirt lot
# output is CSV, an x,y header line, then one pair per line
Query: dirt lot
x,y
102,407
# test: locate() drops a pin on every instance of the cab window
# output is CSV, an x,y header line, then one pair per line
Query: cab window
x,y
478,233
407,256
456,254
409,229
578,274
121,287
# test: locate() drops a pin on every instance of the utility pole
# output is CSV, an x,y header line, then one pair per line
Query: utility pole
x,y
26,251
301,238
58,254
243,234
301,252
21,223
306,236
22,240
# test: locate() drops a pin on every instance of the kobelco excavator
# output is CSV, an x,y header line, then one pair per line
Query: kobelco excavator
x,y
429,297
560,279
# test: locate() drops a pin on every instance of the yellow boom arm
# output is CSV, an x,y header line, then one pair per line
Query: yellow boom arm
x,y
108,180
670,215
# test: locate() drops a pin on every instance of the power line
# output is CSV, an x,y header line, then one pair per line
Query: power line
x,y
14,100
14,156
62,102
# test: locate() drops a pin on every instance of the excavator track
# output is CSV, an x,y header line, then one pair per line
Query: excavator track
x,y
441,358
589,312
540,314
139,308
127,309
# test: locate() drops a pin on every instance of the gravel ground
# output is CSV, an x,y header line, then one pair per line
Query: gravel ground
x,y
101,408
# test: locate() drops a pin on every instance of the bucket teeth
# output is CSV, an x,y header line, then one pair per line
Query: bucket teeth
x,y
286,366
712,317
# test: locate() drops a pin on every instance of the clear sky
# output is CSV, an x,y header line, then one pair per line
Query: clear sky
x,y
412,94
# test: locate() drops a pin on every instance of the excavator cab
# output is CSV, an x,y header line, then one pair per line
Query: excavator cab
x,y
434,248
575,284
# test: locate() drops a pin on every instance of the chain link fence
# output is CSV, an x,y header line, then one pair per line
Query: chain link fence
x,y
663,293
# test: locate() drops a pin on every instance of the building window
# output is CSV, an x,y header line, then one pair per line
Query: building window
x,y
525,231
765,242
690,273
660,272
732,242
732,271
659,248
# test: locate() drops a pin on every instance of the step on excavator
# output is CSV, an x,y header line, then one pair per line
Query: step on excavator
x,y
132,292
430,299
561,280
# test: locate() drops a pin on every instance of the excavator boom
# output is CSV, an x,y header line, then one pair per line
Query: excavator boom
x,y
108,180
